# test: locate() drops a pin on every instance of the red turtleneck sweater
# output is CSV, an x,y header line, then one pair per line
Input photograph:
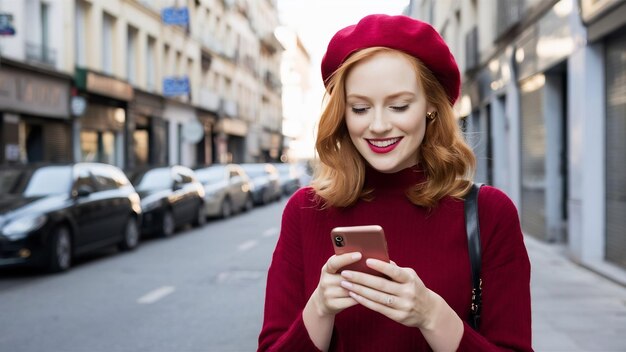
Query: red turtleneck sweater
x,y
433,243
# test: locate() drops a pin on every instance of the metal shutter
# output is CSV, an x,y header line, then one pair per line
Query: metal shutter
x,y
615,150
533,137
57,142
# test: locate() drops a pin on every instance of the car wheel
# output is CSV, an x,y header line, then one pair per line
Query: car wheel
x,y
131,235
60,250
227,208
168,225
249,204
200,216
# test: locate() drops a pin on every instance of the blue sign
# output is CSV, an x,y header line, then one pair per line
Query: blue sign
x,y
177,16
6,24
173,86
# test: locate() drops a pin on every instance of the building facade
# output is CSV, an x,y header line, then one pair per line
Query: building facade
x,y
135,83
544,106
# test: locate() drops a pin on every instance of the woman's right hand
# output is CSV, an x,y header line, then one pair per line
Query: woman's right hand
x,y
329,298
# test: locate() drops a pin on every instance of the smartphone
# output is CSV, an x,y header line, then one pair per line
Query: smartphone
x,y
369,240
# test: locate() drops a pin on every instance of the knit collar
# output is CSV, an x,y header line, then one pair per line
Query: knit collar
x,y
401,180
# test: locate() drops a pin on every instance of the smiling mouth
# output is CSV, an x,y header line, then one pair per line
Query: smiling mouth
x,y
383,143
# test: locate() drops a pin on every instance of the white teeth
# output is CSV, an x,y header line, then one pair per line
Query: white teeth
x,y
385,143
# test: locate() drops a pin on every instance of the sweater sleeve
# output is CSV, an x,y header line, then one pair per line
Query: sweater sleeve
x,y
283,328
505,323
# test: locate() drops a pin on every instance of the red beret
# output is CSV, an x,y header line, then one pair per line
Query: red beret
x,y
416,38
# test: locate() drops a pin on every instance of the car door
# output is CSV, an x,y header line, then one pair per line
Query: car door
x,y
85,208
114,203
236,184
190,195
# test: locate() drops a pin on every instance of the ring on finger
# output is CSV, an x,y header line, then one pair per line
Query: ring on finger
x,y
389,300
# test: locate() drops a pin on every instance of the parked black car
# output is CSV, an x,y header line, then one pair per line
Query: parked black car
x,y
51,213
265,180
171,196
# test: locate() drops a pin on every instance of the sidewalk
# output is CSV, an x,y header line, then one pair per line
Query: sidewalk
x,y
574,309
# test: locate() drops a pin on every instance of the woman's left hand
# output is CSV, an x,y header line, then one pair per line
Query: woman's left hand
x,y
403,298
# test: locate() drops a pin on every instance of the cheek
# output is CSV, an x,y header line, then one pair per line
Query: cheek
x,y
355,126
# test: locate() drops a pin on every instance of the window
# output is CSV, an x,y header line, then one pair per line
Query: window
x,y
107,43
79,35
131,55
45,31
167,63
150,64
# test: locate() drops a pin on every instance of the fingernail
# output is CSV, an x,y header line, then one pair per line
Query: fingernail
x,y
370,262
346,274
346,284
356,255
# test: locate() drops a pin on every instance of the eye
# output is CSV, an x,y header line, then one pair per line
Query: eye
x,y
359,109
400,108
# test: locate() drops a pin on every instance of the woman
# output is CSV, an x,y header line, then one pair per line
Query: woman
x,y
391,154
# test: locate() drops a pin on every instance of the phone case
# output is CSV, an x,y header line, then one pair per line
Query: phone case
x,y
369,240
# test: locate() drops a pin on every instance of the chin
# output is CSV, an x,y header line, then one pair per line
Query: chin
x,y
385,167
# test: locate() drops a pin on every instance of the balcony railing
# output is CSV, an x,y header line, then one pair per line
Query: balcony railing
x,y
41,54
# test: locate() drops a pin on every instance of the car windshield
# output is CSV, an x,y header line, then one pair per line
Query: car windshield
x,y
44,181
210,175
254,170
153,179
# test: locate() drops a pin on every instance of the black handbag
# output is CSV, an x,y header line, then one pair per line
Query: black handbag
x,y
473,241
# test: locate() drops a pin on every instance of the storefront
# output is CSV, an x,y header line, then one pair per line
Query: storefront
x,y
104,126
182,132
35,122
230,140
149,143
606,27
541,57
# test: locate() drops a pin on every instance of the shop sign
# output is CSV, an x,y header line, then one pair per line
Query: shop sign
x,y
6,24
25,92
175,16
233,127
109,86
174,86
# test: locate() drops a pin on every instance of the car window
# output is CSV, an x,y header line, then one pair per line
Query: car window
x,y
186,174
210,175
103,178
154,179
84,180
255,170
49,180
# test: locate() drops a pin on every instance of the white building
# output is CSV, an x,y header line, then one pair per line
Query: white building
x,y
544,105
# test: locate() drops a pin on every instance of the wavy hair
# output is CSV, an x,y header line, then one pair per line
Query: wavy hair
x,y
447,161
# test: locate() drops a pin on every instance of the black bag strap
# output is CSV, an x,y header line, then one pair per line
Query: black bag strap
x,y
473,242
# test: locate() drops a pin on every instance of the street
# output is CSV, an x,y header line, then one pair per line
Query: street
x,y
202,290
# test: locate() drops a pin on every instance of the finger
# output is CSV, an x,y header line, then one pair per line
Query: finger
x,y
393,271
336,262
388,311
376,282
384,298
343,303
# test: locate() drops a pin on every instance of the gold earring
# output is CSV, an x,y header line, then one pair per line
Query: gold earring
x,y
431,115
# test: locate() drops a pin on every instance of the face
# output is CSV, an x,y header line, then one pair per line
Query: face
x,y
386,111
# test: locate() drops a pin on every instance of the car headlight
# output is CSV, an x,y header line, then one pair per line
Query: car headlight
x,y
19,228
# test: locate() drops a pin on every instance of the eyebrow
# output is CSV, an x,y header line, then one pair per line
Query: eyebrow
x,y
392,96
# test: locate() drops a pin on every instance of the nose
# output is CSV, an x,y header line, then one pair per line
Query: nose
x,y
379,123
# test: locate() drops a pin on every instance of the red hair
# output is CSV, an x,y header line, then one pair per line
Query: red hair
x,y
446,159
